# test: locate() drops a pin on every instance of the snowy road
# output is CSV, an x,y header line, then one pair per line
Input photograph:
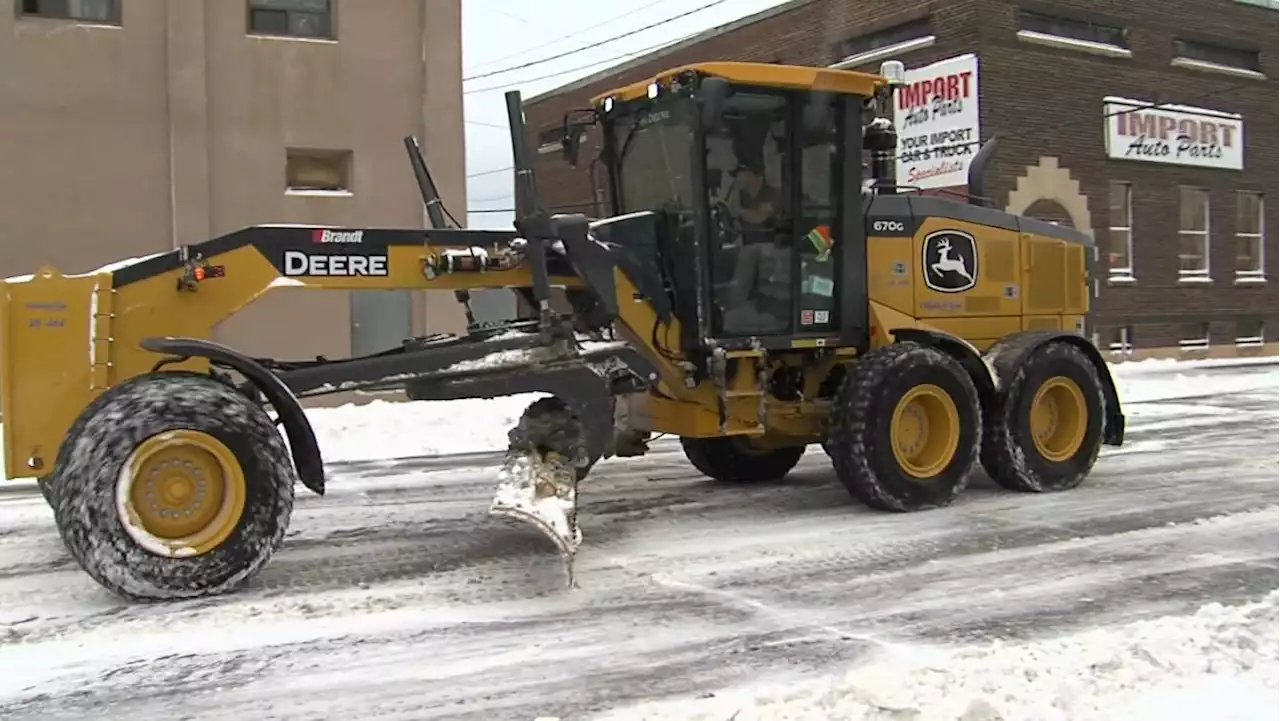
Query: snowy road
x,y
396,597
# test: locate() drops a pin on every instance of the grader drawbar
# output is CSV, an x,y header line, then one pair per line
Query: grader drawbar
x,y
915,338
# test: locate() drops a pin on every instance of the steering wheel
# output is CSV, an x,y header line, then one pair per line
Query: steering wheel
x,y
724,223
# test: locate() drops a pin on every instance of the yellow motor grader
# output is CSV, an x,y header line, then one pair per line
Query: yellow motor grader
x,y
753,291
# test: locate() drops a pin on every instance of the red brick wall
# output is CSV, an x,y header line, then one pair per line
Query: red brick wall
x,y
1044,101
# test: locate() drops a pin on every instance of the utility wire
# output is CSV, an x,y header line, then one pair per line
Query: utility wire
x,y
576,32
596,44
624,56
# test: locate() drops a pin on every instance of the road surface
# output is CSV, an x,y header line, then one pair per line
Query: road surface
x,y
395,597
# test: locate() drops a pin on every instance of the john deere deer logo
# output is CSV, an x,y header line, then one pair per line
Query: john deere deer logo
x,y
950,261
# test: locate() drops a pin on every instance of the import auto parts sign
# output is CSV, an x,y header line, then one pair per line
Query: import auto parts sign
x,y
1173,134
936,117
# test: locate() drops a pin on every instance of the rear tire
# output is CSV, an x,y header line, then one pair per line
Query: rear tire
x,y
732,459
905,428
135,472
1047,433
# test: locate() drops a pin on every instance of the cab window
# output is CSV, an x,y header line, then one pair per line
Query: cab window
x,y
750,220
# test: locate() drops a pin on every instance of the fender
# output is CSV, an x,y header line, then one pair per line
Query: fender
x,y
302,439
984,377
1012,349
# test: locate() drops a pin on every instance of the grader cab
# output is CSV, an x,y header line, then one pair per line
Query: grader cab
x,y
753,291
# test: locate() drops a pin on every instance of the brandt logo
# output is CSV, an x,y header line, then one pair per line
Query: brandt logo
x,y
323,235
950,261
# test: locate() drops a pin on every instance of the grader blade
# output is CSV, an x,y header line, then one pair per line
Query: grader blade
x,y
538,482
542,492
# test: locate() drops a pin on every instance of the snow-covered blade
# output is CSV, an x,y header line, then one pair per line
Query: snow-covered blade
x,y
542,491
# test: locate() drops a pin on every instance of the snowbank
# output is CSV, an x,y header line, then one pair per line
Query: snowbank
x,y
387,429
1220,663
382,430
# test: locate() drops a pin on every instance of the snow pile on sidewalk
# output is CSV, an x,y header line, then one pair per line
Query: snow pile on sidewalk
x,y
1220,663
1163,379
389,429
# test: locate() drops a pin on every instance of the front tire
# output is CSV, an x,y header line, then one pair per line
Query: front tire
x,y
1046,434
173,485
732,459
905,428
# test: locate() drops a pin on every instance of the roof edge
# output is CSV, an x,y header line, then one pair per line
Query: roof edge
x,y
664,51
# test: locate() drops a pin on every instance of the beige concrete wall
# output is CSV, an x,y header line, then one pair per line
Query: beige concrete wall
x,y
117,141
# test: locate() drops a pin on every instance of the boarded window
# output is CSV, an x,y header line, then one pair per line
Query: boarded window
x,y
308,170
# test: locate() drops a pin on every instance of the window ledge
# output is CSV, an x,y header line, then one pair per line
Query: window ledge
x,y
888,51
1251,280
1086,46
292,38
87,24
1195,280
319,193
1208,67
1125,279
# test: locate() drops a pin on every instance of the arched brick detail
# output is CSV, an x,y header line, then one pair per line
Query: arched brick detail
x,y
1050,181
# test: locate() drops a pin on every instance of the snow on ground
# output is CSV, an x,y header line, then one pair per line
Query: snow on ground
x,y
1219,663
395,597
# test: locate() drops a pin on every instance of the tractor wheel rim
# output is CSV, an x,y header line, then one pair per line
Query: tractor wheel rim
x,y
924,431
181,493
1059,419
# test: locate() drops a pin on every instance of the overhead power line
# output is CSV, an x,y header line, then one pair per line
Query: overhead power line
x,y
606,61
596,44
579,31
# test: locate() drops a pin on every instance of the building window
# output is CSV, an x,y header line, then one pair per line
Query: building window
x,y
291,18
1195,337
901,38
1073,33
95,11
1193,234
1121,343
1211,56
1250,332
1120,256
318,171
1249,233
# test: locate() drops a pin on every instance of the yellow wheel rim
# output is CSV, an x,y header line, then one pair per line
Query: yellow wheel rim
x,y
925,431
181,493
1059,419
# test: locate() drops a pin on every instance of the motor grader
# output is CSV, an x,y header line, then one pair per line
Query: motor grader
x,y
761,284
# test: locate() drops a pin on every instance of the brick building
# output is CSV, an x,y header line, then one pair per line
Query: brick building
x,y
1153,125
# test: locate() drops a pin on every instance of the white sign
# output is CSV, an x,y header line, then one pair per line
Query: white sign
x,y
936,117
1173,134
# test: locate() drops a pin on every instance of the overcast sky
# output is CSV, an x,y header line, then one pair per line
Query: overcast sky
x,y
501,34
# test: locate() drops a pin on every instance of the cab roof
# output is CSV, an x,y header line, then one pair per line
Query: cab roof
x,y
771,75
